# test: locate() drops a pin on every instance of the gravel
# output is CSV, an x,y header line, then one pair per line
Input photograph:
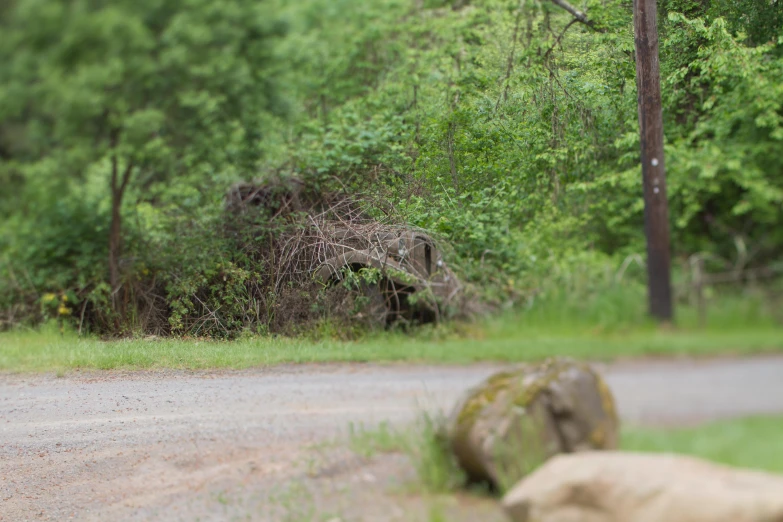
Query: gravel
x,y
185,445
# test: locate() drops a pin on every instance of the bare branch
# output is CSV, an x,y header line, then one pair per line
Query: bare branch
x,y
126,176
576,13
113,147
560,37
510,65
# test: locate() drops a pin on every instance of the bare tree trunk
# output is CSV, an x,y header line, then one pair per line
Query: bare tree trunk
x,y
656,207
115,242
452,162
115,230
118,186
450,136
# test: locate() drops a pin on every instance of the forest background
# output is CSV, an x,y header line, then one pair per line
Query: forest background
x,y
507,129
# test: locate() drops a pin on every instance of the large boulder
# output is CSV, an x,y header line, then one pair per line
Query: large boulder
x,y
622,487
515,420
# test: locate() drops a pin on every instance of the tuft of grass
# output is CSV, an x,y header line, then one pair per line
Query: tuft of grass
x,y
436,514
369,442
292,502
436,467
424,444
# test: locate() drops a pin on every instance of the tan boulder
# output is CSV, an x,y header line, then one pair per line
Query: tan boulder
x,y
515,420
610,486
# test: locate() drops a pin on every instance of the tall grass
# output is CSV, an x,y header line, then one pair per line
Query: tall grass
x,y
596,294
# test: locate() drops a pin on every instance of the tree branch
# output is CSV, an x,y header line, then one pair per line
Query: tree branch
x,y
113,175
113,147
510,66
577,14
560,37
557,80
126,176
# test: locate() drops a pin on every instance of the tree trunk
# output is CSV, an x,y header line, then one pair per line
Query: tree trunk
x,y
118,187
115,240
656,209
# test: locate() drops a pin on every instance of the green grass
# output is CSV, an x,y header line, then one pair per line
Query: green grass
x,y
754,442
600,331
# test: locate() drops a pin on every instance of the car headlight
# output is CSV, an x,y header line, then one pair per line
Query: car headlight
x,y
401,248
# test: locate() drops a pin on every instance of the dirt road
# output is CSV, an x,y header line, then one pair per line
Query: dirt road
x,y
249,445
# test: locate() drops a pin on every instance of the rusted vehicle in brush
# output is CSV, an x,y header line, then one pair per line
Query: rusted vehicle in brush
x,y
409,278
399,270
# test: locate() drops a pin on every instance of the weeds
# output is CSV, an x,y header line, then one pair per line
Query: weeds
x,y
436,514
383,439
424,444
293,503
436,468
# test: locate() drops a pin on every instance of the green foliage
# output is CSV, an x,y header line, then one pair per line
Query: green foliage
x,y
355,279
730,99
500,127
522,149
162,86
163,100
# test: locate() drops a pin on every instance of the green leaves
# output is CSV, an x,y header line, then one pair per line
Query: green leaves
x,y
722,165
497,137
145,99
499,125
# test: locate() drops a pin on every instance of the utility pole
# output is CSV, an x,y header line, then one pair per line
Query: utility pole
x,y
656,206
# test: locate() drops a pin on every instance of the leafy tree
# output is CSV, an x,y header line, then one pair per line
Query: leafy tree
x,y
133,92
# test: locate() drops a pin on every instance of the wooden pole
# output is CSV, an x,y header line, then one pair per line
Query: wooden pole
x,y
656,211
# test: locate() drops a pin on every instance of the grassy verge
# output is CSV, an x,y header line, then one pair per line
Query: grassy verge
x,y
598,334
752,442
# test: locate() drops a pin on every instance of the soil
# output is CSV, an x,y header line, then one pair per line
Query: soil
x,y
270,444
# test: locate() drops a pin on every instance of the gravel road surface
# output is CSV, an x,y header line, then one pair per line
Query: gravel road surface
x,y
235,445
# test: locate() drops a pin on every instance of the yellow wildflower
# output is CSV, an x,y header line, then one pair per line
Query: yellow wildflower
x,y
63,310
48,298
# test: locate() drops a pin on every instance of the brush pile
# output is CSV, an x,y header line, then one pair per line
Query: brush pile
x,y
317,244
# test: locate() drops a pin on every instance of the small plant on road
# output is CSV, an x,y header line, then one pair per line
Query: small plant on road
x,y
423,443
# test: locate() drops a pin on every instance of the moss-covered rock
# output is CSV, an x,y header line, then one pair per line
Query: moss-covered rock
x,y
515,420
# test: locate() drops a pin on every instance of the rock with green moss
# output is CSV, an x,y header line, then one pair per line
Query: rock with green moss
x,y
515,420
